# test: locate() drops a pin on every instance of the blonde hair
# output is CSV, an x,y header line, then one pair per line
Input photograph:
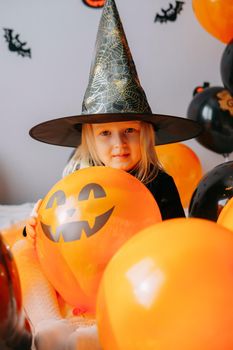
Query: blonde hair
x,y
146,169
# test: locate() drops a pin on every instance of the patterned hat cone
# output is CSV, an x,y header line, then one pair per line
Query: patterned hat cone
x,y
113,86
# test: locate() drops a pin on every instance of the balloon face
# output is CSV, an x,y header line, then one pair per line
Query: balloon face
x,y
213,109
174,158
15,332
226,216
83,220
169,287
227,67
216,17
213,192
70,229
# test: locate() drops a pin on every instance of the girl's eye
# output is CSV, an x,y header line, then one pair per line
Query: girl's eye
x,y
129,130
105,133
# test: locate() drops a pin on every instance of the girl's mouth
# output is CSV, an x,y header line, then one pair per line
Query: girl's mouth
x,y
125,155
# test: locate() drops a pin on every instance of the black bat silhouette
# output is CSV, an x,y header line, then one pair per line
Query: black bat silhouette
x,y
14,44
171,13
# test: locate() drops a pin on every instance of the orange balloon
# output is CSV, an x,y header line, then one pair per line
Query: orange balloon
x,y
216,17
226,215
183,165
83,220
169,287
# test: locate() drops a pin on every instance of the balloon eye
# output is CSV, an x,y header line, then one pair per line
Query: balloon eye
x,y
59,197
97,190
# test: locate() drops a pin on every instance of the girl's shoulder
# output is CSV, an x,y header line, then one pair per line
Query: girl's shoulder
x,y
163,176
162,183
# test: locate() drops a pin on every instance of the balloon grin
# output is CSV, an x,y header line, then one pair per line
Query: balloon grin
x,y
72,231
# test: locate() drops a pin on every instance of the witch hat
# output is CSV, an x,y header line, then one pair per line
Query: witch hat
x,y
114,93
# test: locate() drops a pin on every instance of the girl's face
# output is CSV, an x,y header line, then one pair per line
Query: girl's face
x,y
118,144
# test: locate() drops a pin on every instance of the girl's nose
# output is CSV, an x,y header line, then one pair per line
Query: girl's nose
x,y
119,139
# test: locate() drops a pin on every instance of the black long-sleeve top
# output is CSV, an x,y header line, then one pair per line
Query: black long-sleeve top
x,y
165,192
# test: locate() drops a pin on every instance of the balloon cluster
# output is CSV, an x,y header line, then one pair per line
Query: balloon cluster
x,y
151,284
213,106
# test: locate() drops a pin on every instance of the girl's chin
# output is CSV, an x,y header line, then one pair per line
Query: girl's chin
x,y
124,167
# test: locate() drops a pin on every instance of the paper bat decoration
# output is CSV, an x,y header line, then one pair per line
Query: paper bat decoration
x,y
171,13
14,43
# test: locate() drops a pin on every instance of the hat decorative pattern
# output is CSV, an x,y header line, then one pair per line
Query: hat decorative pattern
x,y
114,85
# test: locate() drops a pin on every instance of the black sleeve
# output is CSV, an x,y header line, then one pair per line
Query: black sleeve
x,y
165,192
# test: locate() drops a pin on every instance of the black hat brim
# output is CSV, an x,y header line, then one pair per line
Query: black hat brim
x,y
66,131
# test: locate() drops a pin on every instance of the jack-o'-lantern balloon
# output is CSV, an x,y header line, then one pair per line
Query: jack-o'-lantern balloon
x,y
94,3
182,163
169,287
83,221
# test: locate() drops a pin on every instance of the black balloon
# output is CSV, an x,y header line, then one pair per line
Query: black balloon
x,y
213,192
213,109
226,67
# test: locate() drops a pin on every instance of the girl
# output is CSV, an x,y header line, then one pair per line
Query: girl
x,y
116,129
128,146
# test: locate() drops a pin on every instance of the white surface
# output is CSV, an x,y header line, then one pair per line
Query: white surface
x,y
11,214
171,58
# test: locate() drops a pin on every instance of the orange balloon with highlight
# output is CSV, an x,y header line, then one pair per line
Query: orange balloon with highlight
x,y
226,215
216,17
169,287
181,162
83,220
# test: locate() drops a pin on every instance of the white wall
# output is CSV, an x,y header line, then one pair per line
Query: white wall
x,y
171,58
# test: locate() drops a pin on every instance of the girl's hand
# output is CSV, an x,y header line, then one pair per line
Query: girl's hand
x,y
32,222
